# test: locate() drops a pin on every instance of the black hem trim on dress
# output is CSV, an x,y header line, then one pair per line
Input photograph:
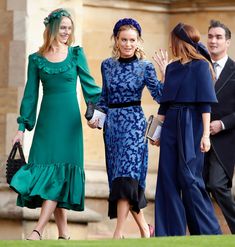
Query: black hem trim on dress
x,y
126,188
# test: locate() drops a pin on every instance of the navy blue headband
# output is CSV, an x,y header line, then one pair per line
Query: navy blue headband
x,y
181,34
126,21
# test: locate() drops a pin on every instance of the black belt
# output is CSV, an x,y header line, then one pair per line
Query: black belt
x,y
180,105
125,104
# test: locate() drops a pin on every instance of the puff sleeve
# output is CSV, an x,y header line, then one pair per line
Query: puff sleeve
x,y
154,86
28,108
103,102
91,91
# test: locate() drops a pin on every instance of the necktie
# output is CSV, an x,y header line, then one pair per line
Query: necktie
x,y
216,66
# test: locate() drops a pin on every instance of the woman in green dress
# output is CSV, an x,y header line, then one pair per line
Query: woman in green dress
x,y
54,177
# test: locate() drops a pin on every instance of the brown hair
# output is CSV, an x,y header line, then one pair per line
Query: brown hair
x,y
139,52
215,24
183,50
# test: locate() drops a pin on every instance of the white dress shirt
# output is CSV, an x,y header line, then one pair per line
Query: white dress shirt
x,y
220,65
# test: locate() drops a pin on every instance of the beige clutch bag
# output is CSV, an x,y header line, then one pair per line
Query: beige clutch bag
x,y
153,130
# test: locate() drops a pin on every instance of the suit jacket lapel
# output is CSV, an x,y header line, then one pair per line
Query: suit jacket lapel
x,y
226,74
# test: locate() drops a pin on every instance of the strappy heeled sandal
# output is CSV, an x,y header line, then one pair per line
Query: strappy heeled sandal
x,y
39,235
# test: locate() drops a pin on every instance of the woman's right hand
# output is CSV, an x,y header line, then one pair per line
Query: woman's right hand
x,y
161,59
205,144
18,137
155,143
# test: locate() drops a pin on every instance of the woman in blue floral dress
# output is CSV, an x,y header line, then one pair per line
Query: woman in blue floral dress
x,y
124,77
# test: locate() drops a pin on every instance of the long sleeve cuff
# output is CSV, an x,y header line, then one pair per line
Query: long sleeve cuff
x,y
21,127
163,109
222,124
205,108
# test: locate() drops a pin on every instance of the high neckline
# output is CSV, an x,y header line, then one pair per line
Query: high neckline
x,y
127,60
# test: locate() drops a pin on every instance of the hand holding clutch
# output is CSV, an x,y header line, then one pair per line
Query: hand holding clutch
x,y
100,116
154,127
94,114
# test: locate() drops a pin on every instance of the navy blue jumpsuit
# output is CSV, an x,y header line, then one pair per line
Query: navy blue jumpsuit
x,y
181,199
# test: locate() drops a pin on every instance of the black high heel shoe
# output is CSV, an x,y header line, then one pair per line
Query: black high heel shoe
x,y
39,235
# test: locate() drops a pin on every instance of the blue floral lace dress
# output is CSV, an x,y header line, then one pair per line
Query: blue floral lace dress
x,y
125,145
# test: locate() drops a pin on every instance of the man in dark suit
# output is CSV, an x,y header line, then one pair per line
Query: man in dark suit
x,y
220,160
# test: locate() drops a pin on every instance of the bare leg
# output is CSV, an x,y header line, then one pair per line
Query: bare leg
x,y
123,208
141,222
48,207
61,222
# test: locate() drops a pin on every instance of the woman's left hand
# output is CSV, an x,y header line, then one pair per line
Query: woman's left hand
x,y
93,124
205,144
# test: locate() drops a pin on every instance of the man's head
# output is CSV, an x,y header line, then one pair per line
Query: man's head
x,y
218,40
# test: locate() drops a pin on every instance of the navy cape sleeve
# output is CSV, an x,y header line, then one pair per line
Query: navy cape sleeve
x,y
205,84
205,87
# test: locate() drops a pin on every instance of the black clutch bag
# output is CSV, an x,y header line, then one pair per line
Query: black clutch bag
x,y
14,164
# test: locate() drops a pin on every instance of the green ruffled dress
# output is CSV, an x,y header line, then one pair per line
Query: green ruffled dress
x,y
55,166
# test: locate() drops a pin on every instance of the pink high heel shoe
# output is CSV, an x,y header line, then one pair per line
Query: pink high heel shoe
x,y
151,231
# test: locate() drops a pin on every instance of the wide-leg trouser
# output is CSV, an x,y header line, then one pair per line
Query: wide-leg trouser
x,y
181,199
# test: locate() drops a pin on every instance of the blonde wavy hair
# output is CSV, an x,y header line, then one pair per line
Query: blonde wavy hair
x,y
52,29
139,52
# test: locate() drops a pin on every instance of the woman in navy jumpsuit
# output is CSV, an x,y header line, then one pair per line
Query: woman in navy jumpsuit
x,y
181,199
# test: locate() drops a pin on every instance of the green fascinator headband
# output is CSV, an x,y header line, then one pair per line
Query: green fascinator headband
x,y
56,14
